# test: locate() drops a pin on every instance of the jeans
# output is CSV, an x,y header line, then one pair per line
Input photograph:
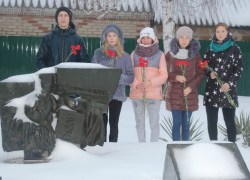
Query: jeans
x,y
212,119
180,120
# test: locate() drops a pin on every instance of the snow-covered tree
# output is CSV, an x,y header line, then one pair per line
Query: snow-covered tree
x,y
190,10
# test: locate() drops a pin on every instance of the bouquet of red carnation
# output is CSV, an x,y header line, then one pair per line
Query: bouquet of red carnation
x,y
73,51
143,64
111,55
183,65
204,65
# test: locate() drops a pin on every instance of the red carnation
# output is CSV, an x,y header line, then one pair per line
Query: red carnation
x,y
141,59
178,63
78,47
109,51
184,63
141,64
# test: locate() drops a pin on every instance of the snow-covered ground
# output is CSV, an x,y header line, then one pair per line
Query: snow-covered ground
x,y
124,160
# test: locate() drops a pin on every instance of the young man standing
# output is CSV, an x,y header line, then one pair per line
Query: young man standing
x,y
55,46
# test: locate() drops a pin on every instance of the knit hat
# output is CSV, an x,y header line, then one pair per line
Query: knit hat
x,y
147,32
184,30
112,28
63,9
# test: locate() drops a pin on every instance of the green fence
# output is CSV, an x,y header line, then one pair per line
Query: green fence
x,y
17,56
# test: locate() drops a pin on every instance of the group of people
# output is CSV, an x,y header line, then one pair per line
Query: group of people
x,y
222,55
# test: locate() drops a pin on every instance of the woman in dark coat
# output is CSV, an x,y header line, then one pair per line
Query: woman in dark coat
x,y
225,58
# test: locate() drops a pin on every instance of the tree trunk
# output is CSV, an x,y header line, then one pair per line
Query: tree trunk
x,y
168,22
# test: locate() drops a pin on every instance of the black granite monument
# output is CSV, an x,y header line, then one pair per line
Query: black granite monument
x,y
76,97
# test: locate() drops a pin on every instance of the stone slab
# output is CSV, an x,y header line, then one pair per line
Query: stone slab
x,y
171,169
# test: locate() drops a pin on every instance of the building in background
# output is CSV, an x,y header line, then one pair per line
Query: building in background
x,y
36,17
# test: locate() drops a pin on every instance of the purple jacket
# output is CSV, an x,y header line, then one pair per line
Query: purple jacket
x,y
124,63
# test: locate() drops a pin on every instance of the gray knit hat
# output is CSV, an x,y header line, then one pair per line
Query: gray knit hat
x,y
112,28
184,30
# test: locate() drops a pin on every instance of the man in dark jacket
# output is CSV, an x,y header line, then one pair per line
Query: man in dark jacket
x,y
55,46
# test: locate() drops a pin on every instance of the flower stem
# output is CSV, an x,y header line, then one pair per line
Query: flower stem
x,y
184,87
220,82
69,56
144,94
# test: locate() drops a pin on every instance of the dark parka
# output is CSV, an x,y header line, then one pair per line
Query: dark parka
x,y
55,47
175,99
228,64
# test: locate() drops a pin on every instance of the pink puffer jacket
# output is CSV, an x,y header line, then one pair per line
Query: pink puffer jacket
x,y
157,76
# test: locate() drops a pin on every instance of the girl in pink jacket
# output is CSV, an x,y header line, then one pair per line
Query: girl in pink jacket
x,y
156,74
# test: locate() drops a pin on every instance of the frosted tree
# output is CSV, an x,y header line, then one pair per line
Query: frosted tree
x,y
175,10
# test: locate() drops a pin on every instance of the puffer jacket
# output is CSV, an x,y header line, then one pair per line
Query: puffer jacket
x,y
55,47
123,63
175,99
156,73
229,66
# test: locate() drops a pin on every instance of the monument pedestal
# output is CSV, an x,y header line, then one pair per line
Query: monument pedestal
x,y
204,161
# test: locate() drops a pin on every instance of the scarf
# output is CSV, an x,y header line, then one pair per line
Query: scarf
x,y
182,54
221,47
146,51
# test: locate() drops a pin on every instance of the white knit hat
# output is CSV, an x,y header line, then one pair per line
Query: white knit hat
x,y
148,32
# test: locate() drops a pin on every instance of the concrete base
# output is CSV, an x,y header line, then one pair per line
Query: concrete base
x,y
22,161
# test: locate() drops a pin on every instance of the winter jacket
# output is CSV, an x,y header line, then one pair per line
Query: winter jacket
x,y
55,47
156,73
123,63
228,64
175,99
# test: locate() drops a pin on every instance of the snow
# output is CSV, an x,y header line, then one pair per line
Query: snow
x,y
6,3
126,159
222,159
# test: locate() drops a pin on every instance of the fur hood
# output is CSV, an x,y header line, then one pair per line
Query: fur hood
x,y
103,38
192,51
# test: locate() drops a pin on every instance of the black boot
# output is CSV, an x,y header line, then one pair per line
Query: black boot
x,y
113,139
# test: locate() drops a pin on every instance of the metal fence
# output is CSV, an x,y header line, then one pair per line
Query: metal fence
x,y
18,53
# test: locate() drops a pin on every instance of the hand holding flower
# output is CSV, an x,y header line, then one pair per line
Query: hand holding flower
x,y
143,65
212,75
146,84
180,78
225,87
187,91
140,87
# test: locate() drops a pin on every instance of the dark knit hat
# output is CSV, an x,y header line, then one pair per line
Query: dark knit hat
x,y
63,9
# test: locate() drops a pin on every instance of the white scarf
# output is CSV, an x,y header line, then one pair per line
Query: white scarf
x,y
182,54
